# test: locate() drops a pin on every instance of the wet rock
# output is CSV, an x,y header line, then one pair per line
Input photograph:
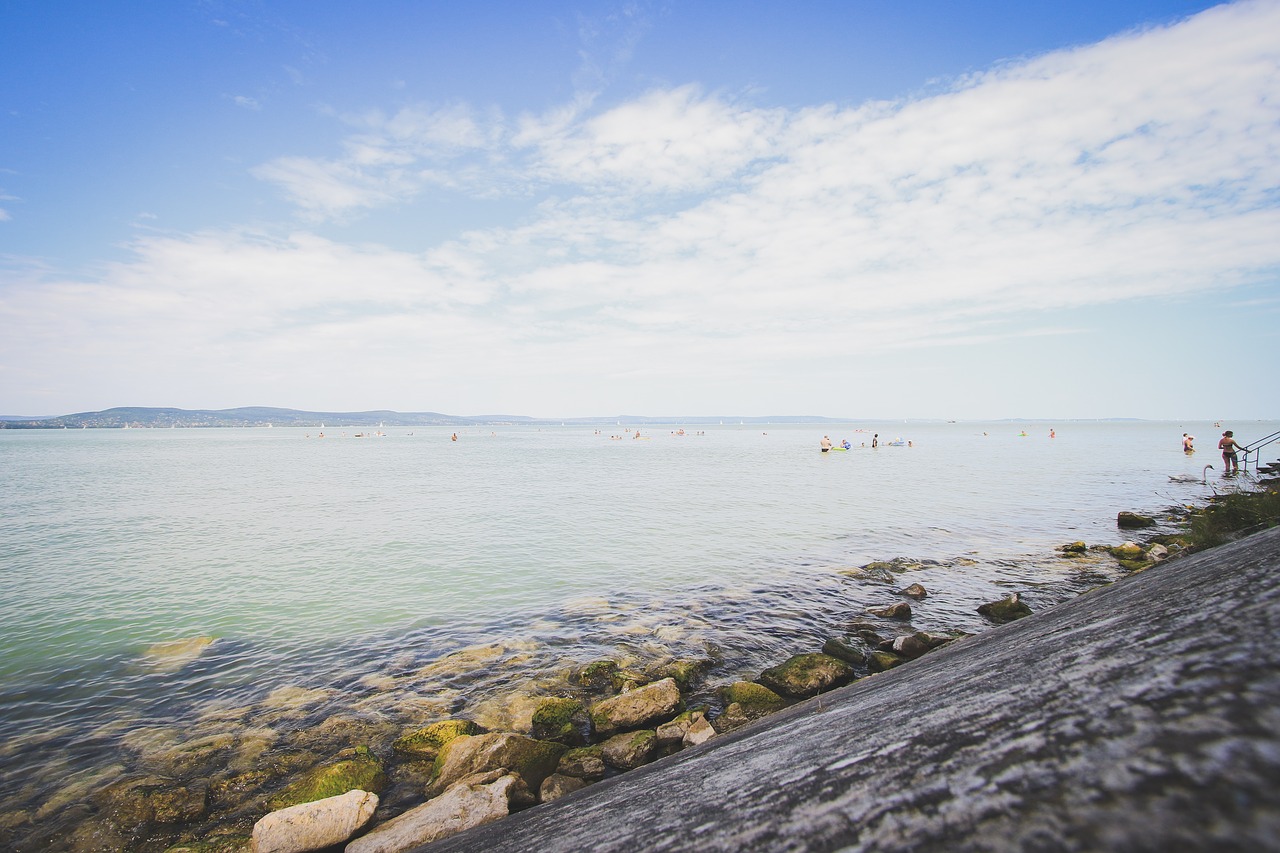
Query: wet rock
x,y
314,825
1131,520
131,806
912,646
531,760
746,701
1127,551
898,610
557,785
1074,549
224,843
463,661
875,572
597,676
644,705
915,591
1005,610
584,763
355,769
561,720
671,734
1157,552
629,750
425,743
881,661
472,800
683,672
845,650
807,675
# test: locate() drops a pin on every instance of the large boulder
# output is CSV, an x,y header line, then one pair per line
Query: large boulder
x,y
424,744
472,800
807,675
314,825
531,760
652,703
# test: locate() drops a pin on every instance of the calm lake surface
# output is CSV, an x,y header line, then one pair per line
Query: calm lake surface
x,y
339,563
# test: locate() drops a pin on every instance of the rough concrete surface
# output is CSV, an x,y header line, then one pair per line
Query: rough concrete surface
x,y
1140,716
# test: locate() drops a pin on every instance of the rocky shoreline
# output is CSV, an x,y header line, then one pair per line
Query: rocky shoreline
x,y
274,778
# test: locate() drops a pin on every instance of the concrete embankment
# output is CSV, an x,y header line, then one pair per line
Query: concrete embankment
x,y
1140,716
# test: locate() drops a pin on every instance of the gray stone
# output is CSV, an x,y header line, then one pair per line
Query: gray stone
x,y
472,801
700,731
314,825
558,785
915,591
636,708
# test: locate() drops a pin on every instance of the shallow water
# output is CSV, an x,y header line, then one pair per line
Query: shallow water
x,y
346,565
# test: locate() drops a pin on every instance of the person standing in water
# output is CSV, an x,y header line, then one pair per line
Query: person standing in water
x,y
875,440
1228,445
825,444
1187,443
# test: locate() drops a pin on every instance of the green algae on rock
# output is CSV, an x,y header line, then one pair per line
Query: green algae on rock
x,y
426,743
356,770
562,720
1005,610
806,675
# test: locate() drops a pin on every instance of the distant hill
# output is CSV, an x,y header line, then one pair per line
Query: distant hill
x,y
261,416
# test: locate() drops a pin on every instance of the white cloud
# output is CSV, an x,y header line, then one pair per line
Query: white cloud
x,y
692,237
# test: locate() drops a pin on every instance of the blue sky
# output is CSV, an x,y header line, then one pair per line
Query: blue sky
x,y
867,210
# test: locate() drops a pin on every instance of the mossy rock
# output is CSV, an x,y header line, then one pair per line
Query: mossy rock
x,y
754,699
424,744
532,760
807,675
562,720
1130,520
846,650
880,661
357,770
1127,551
585,762
598,675
1074,549
1134,565
683,672
1005,610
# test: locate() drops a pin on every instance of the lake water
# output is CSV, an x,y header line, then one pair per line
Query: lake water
x,y
340,564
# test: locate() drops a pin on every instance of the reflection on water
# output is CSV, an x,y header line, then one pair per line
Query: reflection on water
x,y
402,579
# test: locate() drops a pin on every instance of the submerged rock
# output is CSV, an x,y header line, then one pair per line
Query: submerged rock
x,y
1005,610
314,825
472,800
915,591
1133,519
424,744
649,704
532,760
173,656
1074,549
807,675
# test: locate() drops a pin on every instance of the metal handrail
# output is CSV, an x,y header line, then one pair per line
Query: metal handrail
x,y
1255,447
